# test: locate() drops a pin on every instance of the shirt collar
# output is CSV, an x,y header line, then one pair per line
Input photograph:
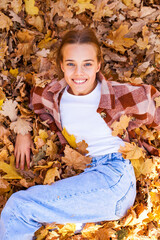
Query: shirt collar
x,y
107,100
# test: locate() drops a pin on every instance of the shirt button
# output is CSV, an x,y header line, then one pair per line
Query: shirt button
x,y
103,114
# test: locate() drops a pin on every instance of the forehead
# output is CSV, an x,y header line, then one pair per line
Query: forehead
x,y
79,51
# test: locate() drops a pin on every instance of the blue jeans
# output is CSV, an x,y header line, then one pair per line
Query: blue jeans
x,y
104,191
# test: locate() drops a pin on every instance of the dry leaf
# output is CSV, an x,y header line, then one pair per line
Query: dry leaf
x,y
9,108
82,147
16,5
30,7
118,41
4,186
157,100
5,22
52,149
68,228
119,127
10,169
3,155
70,138
81,6
75,159
51,174
21,126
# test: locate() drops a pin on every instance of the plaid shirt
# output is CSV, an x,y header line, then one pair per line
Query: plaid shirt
x,y
116,100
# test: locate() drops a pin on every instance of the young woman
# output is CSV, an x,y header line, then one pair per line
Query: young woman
x,y
86,104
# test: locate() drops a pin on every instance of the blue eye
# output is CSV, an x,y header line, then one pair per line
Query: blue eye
x,y
70,64
88,64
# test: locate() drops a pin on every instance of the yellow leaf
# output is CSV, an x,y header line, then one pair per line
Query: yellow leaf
x,y
37,168
68,228
50,175
118,41
127,2
30,7
157,100
36,21
119,127
70,138
131,151
10,169
3,155
52,149
82,5
43,134
14,72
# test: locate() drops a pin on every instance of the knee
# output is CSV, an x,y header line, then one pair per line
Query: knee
x,y
13,203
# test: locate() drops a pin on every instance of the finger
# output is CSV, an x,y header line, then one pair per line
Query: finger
x,y
17,159
22,160
28,158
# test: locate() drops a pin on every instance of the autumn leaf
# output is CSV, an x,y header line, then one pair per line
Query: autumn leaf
x,y
5,22
30,7
14,72
2,98
143,43
102,10
157,100
9,108
4,186
81,5
70,138
119,127
10,169
52,149
68,228
16,5
118,41
36,21
51,174
82,147
21,126
3,155
75,159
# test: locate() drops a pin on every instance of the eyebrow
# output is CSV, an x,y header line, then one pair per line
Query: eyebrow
x,y
69,60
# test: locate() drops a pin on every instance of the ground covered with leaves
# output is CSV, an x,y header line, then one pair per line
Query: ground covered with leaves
x,y
30,32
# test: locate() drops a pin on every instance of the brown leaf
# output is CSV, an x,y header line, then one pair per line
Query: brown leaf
x,y
4,186
51,174
82,147
75,159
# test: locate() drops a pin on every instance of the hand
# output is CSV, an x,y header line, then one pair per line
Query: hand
x,y
22,151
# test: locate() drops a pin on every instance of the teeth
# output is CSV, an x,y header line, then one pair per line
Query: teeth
x,y
79,81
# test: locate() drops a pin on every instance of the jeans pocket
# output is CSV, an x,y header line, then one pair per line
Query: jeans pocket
x,y
126,201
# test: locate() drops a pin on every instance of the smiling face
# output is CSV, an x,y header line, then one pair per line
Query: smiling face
x,y
80,66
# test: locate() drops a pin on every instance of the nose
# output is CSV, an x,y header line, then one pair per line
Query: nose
x,y
78,70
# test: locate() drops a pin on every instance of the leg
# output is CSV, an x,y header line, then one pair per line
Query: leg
x,y
92,196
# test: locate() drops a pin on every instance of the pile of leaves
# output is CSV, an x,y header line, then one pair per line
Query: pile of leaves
x,y
30,32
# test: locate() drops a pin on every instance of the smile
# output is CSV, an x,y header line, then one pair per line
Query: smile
x,y
79,81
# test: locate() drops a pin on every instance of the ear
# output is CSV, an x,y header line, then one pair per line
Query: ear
x,y
62,68
99,66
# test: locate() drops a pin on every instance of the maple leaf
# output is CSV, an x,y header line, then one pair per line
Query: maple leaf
x,y
51,174
36,21
9,108
16,5
119,127
4,186
118,41
75,159
102,10
10,169
30,7
81,5
21,126
70,138
3,50
143,43
5,22
68,228
81,147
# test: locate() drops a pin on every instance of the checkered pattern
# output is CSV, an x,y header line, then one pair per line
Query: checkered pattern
x,y
116,99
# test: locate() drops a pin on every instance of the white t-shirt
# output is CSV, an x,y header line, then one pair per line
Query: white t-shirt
x,y
79,116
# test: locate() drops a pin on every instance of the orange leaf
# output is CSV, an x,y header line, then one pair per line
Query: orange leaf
x,y
75,159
